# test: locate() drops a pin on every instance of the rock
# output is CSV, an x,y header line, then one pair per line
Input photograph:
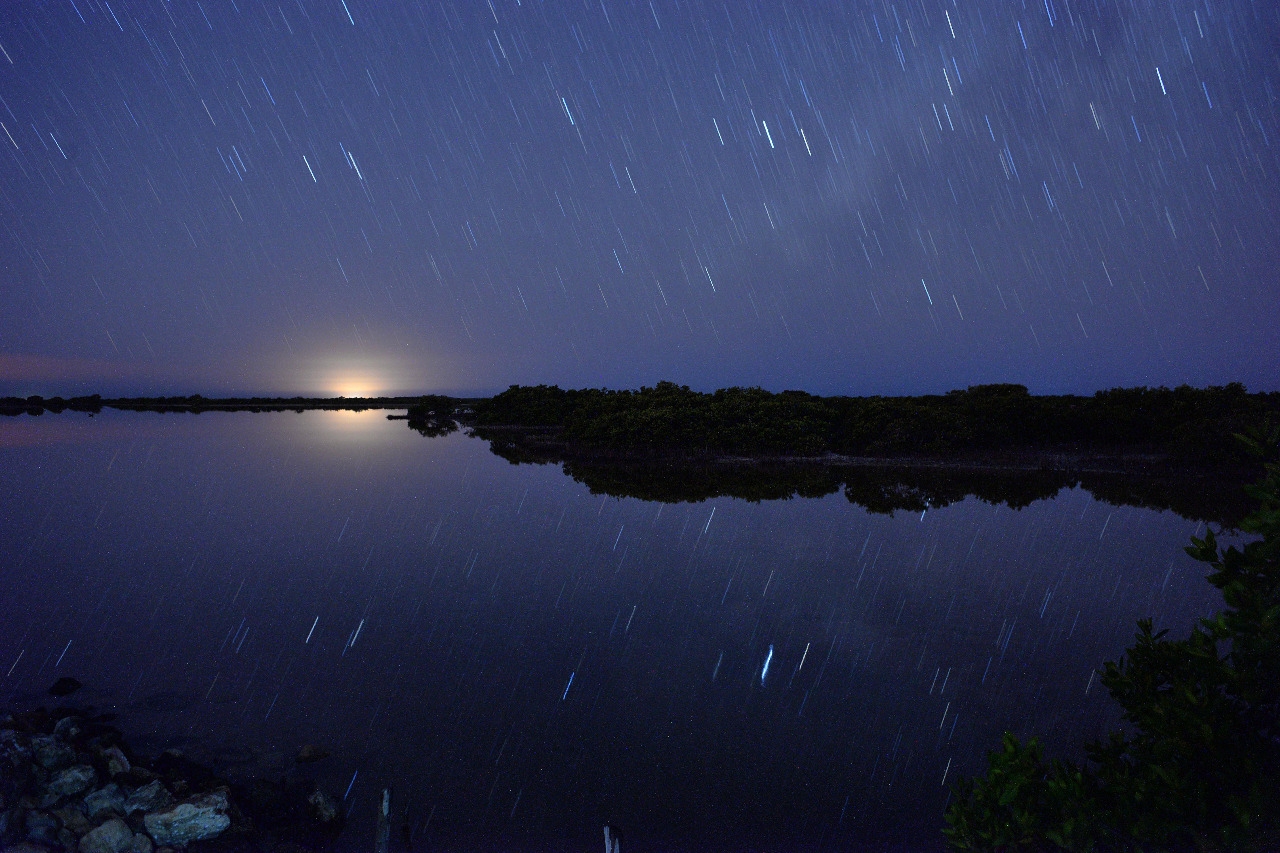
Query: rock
x,y
42,828
13,748
151,797
104,801
382,833
67,729
117,763
51,753
321,806
141,843
26,847
73,818
65,686
137,776
73,780
199,817
114,836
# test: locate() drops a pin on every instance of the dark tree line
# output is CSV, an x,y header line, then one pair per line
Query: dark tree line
x,y
433,415
37,405
1184,423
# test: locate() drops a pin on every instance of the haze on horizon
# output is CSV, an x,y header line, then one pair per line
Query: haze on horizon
x,y
332,196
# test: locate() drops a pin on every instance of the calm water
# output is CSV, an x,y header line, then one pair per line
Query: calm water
x,y
523,661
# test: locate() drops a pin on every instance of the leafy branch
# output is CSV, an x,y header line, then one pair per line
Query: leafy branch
x,y
1200,766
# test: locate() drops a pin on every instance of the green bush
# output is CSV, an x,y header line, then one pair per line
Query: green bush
x,y
1199,768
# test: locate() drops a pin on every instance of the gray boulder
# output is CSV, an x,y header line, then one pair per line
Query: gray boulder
x,y
104,801
117,763
73,780
114,836
14,749
151,797
73,818
321,806
42,828
68,728
191,820
51,753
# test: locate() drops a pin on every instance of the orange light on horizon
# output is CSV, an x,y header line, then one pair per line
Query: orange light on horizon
x,y
351,375
356,386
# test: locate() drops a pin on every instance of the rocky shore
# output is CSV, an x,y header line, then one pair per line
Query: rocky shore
x,y
70,782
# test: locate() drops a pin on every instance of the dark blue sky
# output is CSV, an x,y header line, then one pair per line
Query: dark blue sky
x,y
859,197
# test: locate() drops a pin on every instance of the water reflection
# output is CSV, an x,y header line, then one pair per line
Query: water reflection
x,y
75,428
346,426
1206,494
525,661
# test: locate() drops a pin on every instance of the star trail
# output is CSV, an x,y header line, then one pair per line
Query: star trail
x,y
862,197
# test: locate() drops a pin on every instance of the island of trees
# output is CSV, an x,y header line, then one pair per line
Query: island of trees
x,y
1158,448
1182,424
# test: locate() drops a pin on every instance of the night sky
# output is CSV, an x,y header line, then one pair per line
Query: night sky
x,y
364,196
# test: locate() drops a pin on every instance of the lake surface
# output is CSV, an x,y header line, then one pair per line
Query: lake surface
x,y
522,661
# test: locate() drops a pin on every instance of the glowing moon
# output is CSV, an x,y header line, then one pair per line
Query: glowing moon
x,y
338,374
355,386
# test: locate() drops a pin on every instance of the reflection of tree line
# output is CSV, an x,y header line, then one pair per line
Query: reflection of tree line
x,y
1157,448
1202,494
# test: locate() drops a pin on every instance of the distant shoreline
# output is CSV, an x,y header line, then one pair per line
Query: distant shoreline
x,y
1158,448
196,403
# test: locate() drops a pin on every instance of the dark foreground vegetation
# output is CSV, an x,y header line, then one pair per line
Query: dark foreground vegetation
x,y
1198,768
